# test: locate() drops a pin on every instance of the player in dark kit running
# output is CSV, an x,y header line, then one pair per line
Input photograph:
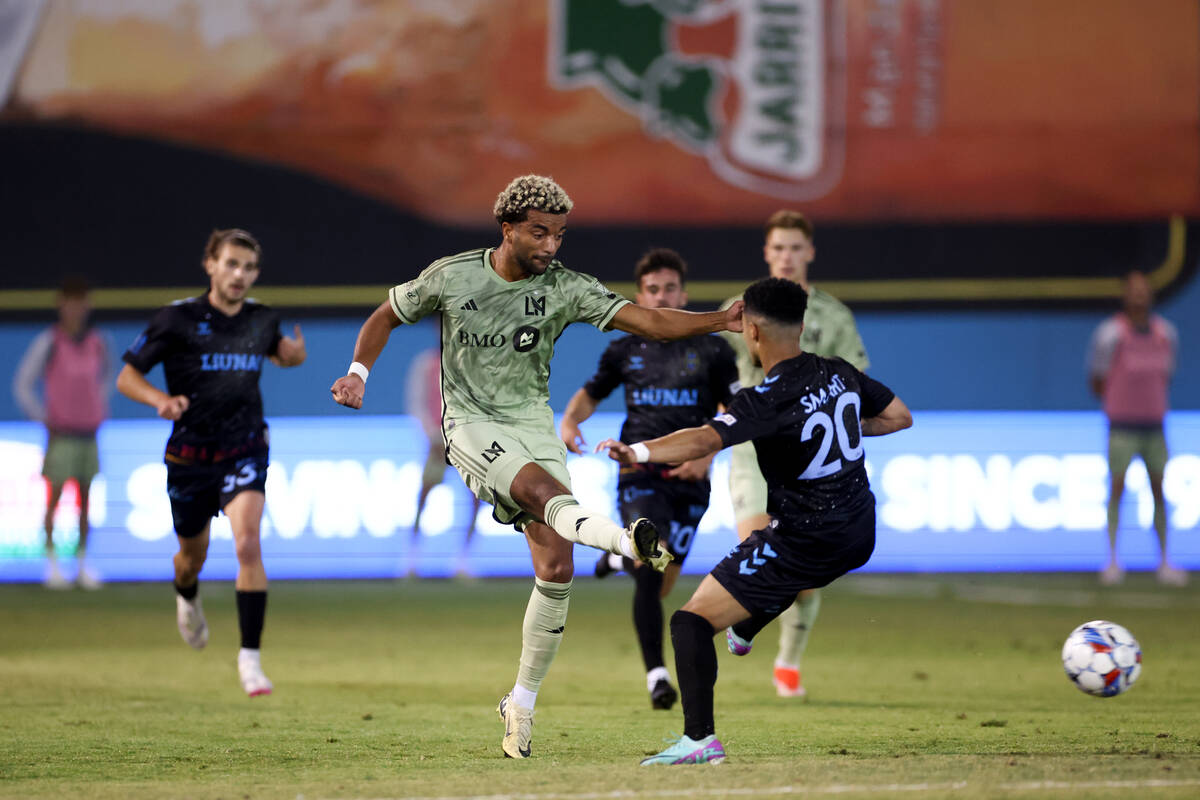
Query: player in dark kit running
x,y
212,349
807,420
668,386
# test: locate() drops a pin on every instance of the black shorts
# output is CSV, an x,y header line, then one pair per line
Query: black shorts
x,y
766,571
675,508
198,492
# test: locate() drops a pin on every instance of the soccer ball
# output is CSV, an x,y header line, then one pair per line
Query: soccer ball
x,y
1102,658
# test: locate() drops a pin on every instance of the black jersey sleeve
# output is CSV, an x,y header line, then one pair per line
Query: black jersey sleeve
x,y
608,373
276,335
159,340
875,395
723,371
747,417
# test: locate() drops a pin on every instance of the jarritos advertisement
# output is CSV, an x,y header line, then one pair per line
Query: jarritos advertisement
x,y
676,112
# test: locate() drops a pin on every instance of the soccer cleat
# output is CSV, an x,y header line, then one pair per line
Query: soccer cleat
x,y
86,579
787,681
54,579
250,671
189,614
737,645
646,544
604,567
1112,574
1169,575
663,695
518,728
708,750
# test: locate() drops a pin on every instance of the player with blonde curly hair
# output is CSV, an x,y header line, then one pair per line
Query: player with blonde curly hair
x,y
502,308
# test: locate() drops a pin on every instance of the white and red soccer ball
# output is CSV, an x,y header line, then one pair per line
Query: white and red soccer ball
x,y
1102,658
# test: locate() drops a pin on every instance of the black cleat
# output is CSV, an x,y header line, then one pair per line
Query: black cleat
x,y
647,546
663,695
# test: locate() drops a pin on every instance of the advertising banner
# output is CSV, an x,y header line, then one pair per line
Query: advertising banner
x,y
660,112
960,491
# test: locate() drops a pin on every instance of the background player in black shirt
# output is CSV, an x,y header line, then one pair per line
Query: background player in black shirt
x,y
807,420
212,349
668,386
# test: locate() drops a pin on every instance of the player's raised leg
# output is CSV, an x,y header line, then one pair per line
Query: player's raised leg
x,y
245,515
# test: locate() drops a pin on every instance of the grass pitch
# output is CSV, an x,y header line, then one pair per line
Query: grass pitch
x,y
921,686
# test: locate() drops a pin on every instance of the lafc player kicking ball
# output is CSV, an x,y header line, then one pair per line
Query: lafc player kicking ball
x,y
212,349
502,308
807,420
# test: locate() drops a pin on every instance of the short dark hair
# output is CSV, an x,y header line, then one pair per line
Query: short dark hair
x,y
790,220
236,236
658,258
778,300
73,286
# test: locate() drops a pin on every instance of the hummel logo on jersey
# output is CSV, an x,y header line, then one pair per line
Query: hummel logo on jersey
x,y
766,384
469,305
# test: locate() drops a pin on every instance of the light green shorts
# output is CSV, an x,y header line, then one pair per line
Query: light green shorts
x,y
1125,443
747,488
489,455
71,457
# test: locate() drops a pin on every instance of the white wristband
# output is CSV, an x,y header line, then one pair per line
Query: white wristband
x,y
640,452
358,369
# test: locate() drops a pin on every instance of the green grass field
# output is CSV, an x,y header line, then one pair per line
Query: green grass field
x,y
923,686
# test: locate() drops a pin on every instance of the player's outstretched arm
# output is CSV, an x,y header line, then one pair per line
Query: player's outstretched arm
x,y
133,384
581,406
666,324
291,351
896,417
372,338
674,448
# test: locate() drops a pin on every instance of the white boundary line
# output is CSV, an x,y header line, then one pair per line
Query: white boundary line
x,y
847,788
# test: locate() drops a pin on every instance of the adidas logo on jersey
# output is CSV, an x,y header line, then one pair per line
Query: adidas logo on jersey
x,y
469,305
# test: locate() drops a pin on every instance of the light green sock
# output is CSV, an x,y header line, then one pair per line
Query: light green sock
x,y
795,624
545,619
575,523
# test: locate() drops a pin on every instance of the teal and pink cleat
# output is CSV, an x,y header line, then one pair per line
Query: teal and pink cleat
x,y
685,750
737,645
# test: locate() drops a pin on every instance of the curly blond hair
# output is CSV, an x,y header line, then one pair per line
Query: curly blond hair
x,y
527,192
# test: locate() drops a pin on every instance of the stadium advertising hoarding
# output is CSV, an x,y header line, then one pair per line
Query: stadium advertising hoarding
x,y
861,109
963,491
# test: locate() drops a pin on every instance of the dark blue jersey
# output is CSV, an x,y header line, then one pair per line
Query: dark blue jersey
x,y
668,385
216,362
804,420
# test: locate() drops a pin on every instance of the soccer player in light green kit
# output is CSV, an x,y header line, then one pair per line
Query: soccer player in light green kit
x,y
502,310
829,331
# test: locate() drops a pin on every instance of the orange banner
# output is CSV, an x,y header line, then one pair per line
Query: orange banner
x,y
678,113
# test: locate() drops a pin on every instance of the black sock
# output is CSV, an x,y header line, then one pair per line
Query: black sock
x,y
749,628
696,668
648,614
187,592
252,609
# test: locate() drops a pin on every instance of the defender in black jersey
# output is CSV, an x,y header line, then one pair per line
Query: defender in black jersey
x,y
668,386
807,420
212,349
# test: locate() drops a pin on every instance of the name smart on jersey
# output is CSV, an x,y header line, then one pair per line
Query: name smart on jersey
x,y
653,396
815,400
230,362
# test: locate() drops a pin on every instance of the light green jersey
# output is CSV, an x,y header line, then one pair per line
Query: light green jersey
x,y
498,336
829,331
